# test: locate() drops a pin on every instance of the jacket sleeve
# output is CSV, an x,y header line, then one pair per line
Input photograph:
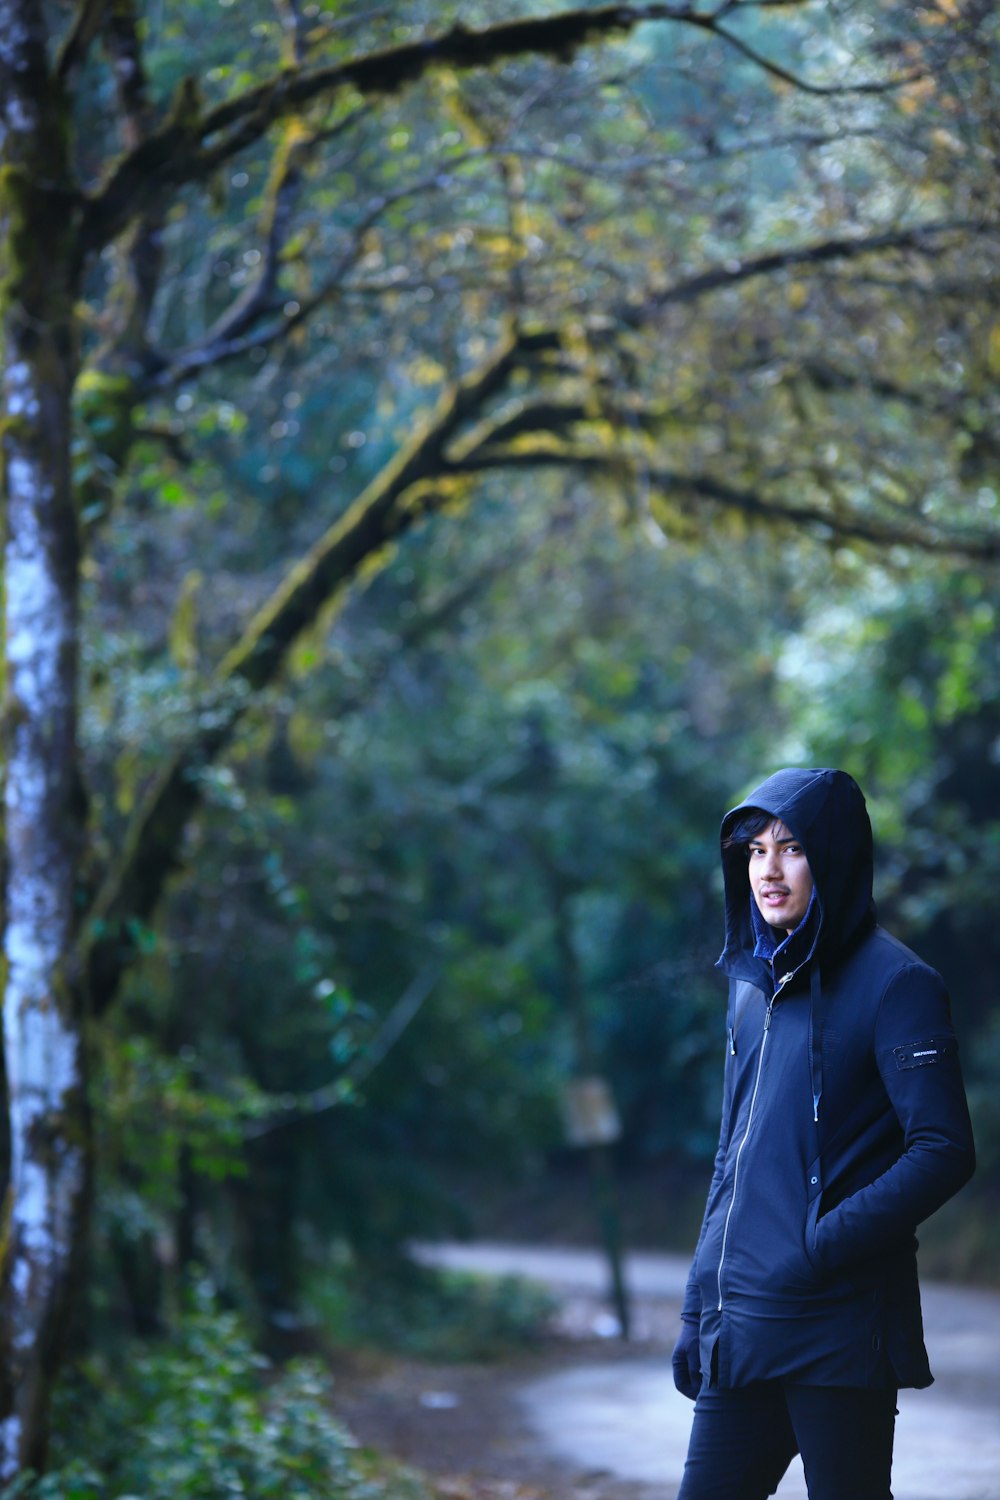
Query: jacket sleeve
x,y
917,1057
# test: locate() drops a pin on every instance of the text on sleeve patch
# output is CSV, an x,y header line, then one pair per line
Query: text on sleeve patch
x,y
922,1054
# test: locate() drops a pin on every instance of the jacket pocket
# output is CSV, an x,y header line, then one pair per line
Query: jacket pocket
x,y
839,1275
794,1272
814,1197
812,1220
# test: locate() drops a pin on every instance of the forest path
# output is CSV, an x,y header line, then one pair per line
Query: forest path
x,y
613,1413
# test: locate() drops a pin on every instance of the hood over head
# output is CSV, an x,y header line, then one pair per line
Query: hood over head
x,y
825,810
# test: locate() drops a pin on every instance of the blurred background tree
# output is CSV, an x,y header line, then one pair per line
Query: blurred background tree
x,y
497,439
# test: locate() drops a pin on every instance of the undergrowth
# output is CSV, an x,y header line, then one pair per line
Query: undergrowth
x,y
201,1416
451,1316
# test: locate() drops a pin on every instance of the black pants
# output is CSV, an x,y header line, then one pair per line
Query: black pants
x,y
742,1441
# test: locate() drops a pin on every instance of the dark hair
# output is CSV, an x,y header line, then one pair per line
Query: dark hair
x,y
746,827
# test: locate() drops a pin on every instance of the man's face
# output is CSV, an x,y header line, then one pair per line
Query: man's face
x,y
780,877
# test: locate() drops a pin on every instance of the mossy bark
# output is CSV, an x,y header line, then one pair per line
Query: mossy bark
x,y
46,1190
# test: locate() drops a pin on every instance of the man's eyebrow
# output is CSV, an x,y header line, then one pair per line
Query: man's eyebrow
x,y
791,839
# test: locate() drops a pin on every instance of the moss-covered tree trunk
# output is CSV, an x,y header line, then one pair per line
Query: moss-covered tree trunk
x,y
45,1188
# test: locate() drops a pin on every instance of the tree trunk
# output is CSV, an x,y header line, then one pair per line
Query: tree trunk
x,y
45,1193
600,1162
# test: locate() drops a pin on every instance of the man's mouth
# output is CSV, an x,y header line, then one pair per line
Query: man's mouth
x,y
774,895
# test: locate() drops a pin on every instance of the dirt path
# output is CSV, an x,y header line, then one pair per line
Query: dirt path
x,y
589,1418
472,1428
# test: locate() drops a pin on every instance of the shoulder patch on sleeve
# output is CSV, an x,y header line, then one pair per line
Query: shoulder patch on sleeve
x,y
922,1054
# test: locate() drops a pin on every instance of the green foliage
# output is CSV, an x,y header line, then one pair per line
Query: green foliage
x,y
157,1108
438,1315
503,759
202,1416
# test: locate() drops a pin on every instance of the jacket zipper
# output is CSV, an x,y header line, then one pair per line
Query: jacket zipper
x,y
739,1152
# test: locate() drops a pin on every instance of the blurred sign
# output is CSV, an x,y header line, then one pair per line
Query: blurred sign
x,y
589,1114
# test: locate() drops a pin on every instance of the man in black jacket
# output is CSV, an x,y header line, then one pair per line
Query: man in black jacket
x,y
844,1125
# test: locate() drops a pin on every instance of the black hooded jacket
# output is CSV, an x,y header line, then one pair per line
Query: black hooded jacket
x,y
844,1120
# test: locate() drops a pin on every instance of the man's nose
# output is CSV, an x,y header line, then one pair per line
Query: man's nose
x,y
772,864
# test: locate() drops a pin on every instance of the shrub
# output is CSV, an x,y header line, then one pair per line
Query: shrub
x,y
445,1315
202,1417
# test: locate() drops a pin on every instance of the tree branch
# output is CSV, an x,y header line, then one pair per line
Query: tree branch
x,y
362,1065
279,199
144,258
825,375
193,142
421,479
239,329
293,32
923,238
229,340
554,417
391,503
979,547
85,25
795,80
